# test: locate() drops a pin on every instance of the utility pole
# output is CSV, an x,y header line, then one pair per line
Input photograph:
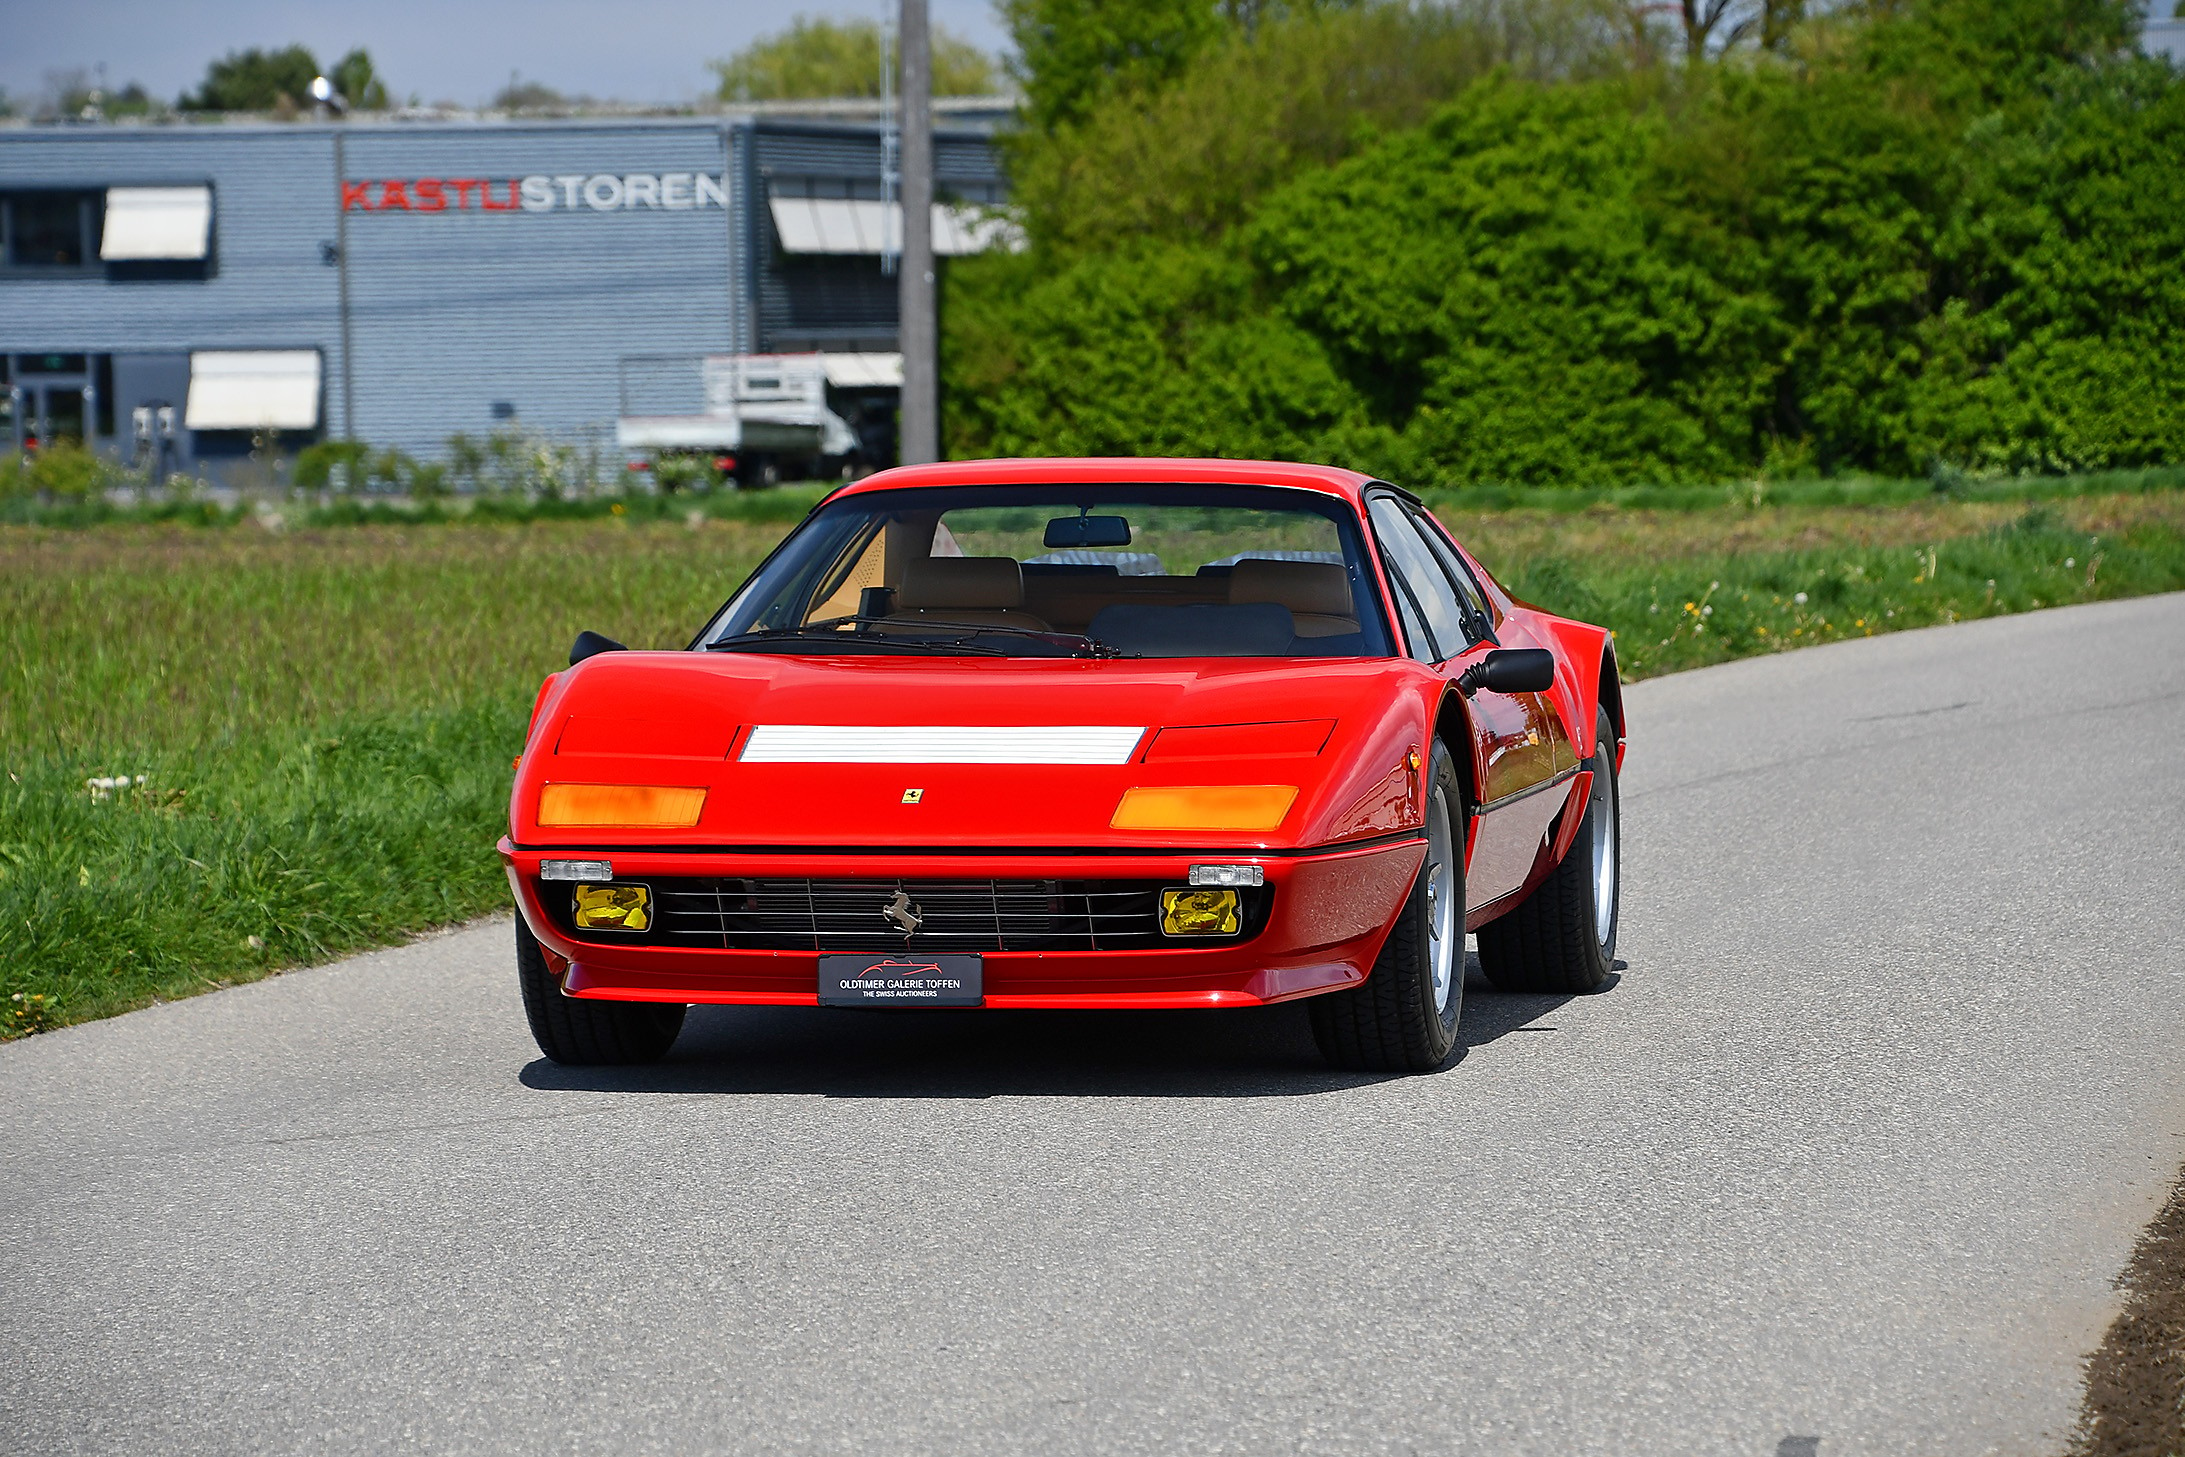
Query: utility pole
x,y
341,281
891,158
915,329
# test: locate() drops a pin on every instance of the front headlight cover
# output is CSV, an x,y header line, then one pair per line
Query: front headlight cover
x,y
611,907
1204,807
1201,912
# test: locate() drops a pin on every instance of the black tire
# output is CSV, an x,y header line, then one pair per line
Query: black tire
x,y
577,1030
1554,941
1395,1021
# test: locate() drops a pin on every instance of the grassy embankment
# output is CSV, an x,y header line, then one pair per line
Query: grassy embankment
x,y
323,719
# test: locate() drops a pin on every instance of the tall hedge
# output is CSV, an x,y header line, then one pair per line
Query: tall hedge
x,y
1917,238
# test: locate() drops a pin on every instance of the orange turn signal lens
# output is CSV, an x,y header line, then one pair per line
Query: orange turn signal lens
x,y
620,804
1204,807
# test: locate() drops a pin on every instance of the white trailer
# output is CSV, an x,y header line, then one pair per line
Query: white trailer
x,y
774,414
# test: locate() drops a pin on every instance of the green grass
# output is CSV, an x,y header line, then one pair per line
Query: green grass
x,y
324,718
325,721
1680,614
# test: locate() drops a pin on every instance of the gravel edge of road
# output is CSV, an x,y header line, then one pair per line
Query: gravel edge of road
x,y
2135,1381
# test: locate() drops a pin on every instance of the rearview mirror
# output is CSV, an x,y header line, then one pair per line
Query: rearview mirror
x,y
1510,670
1083,531
591,644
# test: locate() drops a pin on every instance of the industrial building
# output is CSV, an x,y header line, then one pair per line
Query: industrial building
x,y
191,290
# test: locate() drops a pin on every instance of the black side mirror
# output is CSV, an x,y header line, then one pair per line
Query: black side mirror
x,y
1510,670
590,644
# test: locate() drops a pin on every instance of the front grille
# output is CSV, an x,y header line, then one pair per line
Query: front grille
x,y
783,914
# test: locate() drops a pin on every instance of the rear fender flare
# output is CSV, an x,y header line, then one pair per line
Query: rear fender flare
x,y
1611,696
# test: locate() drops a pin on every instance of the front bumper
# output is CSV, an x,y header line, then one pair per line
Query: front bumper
x,y
1328,914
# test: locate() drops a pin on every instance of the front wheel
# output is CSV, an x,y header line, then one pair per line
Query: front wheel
x,y
1562,937
578,1031
1403,1017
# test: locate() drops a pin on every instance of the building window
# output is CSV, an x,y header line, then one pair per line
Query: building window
x,y
57,230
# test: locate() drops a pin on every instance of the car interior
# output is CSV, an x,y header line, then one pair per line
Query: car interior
x,y
1164,581
1253,607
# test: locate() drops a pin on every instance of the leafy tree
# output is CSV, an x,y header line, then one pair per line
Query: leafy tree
x,y
1256,107
354,77
819,58
1706,25
1915,232
255,80
520,95
132,100
72,95
68,95
1074,54
2061,345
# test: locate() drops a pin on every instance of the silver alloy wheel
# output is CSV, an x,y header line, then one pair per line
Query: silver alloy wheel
x,y
1445,940
1601,809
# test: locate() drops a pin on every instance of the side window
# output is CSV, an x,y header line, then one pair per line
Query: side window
x,y
1421,573
1475,601
1407,608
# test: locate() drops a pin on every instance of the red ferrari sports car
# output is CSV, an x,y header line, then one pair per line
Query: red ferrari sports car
x,y
1078,733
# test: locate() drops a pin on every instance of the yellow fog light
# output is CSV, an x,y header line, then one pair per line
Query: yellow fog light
x,y
1203,807
620,804
613,907
1199,912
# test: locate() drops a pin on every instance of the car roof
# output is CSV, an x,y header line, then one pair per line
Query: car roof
x,y
1095,470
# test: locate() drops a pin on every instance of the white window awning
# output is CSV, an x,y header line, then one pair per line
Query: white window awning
x,y
254,389
149,224
842,225
864,371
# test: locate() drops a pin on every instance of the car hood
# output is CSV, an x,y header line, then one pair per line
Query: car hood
x,y
1026,753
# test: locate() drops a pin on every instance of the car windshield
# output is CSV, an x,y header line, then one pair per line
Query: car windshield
x,y
1133,570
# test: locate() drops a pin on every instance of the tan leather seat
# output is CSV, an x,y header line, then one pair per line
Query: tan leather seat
x,y
1073,601
1317,593
986,591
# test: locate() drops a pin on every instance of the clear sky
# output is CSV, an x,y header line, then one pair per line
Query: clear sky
x,y
438,50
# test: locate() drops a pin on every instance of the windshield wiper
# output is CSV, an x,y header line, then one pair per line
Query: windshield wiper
x,y
1085,647
759,639
907,636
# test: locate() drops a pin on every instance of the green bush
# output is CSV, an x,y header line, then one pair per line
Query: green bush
x,y
332,465
63,471
2063,345
1936,239
512,462
674,473
349,466
1252,108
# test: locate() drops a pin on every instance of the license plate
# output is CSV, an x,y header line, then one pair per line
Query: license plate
x,y
901,979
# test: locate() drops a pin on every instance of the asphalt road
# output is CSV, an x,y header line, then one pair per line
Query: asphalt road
x,y
1844,1163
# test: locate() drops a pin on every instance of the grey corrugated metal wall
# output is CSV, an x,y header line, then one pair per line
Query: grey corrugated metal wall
x,y
458,311
451,312
273,205
454,311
